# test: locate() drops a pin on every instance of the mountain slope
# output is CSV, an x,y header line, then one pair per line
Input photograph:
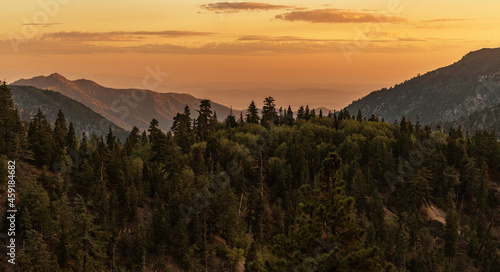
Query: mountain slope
x,y
124,107
485,119
29,99
442,95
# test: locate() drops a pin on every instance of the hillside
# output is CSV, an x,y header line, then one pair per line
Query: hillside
x,y
29,99
486,119
124,107
443,95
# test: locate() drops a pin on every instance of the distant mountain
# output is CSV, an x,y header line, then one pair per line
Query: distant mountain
x,y
443,95
124,107
29,99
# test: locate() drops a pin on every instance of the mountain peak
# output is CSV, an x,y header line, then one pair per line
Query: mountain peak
x,y
57,76
484,54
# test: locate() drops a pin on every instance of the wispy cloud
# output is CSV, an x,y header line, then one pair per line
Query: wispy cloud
x,y
445,20
42,24
337,16
233,7
119,35
247,45
284,39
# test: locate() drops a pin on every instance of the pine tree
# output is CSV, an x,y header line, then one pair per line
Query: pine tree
x,y
71,139
61,130
89,241
182,129
65,222
35,255
252,114
289,116
133,141
230,120
451,229
416,192
241,121
307,113
84,149
132,203
202,123
269,114
301,114
111,140
154,131
140,250
41,140
359,117
10,124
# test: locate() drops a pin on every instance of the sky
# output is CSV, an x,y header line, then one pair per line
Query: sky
x,y
320,53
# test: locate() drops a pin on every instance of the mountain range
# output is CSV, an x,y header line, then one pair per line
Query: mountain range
x,y
124,107
465,93
457,94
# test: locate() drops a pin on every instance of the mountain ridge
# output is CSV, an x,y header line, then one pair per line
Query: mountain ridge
x,y
29,99
442,95
124,107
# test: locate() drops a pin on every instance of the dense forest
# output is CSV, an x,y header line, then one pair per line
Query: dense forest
x,y
264,191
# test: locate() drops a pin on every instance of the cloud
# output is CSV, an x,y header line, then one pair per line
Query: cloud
x,y
284,39
41,24
337,16
250,46
444,20
118,35
233,7
410,39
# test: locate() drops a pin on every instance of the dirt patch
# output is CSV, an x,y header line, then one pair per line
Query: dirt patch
x,y
435,213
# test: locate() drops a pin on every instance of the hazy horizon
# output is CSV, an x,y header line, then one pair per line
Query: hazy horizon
x,y
348,49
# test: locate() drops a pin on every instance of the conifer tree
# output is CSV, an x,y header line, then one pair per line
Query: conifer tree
x,y
202,123
301,114
252,114
61,130
307,113
269,114
230,120
181,129
10,124
71,139
41,140
451,229
359,117
133,141
89,241
35,255
111,139
289,116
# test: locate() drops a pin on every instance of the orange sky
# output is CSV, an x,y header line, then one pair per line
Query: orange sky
x,y
321,53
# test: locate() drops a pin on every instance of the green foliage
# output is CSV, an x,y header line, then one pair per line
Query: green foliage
x,y
252,114
319,193
41,140
10,125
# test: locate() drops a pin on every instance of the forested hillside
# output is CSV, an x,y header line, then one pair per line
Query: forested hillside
x,y
30,99
257,192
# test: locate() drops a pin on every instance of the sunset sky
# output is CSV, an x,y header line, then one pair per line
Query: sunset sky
x,y
321,53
